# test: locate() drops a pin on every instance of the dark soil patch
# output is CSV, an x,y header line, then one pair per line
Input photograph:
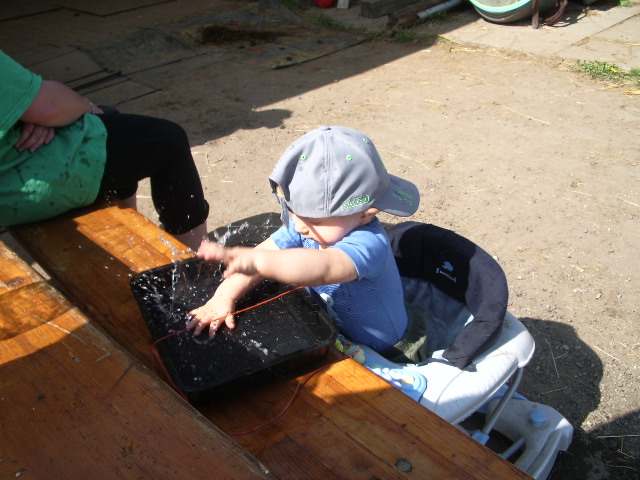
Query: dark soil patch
x,y
219,35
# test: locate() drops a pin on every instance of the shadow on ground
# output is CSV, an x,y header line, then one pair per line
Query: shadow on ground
x,y
561,371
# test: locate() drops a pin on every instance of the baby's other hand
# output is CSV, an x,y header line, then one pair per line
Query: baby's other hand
x,y
211,251
236,259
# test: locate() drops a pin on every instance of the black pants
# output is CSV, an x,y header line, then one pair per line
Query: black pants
x,y
141,147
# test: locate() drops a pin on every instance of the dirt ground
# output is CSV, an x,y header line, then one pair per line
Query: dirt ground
x,y
535,162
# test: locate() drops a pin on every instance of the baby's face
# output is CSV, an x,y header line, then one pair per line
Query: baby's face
x,y
326,231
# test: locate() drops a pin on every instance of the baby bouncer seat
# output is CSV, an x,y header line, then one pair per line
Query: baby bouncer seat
x,y
464,354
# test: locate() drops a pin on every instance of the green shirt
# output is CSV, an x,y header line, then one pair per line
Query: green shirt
x,y
55,178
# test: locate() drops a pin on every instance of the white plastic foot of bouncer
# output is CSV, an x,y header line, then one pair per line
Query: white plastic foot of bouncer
x,y
539,429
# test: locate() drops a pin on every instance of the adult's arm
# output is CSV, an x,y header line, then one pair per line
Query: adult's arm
x,y
56,105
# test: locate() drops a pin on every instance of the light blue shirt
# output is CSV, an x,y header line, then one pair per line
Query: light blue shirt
x,y
369,310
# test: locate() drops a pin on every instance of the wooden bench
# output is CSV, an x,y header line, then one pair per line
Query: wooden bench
x,y
75,405
345,422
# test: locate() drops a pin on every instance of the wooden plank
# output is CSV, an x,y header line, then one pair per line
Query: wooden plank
x,y
348,406
379,404
300,440
118,92
34,56
74,405
105,8
345,422
10,10
68,67
98,80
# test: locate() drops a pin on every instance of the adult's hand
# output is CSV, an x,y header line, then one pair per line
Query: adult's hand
x,y
33,136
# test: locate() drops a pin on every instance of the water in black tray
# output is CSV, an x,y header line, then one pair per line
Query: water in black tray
x,y
265,336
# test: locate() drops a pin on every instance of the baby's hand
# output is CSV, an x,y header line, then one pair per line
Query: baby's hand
x,y
237,259
211,251
211,315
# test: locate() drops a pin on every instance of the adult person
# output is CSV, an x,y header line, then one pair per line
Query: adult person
x,y
59,151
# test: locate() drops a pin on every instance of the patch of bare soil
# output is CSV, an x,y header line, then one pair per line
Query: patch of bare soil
x,y
219,34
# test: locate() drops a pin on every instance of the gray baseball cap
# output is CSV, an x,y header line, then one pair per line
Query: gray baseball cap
x,y
337,171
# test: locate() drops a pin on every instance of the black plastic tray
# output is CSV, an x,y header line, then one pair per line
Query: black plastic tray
x,y
279,331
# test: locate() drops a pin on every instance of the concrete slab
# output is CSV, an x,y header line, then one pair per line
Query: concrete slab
x,y
621,42
626,31
609,34
624,55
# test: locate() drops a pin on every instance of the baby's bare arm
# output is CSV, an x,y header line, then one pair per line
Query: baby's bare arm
x,y
219,309
304,266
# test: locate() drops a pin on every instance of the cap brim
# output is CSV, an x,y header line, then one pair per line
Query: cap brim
x,y
402,198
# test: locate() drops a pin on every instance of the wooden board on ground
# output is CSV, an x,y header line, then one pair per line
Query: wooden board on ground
x,y
23,8
68,67
78,71
117,92
105,8
345,422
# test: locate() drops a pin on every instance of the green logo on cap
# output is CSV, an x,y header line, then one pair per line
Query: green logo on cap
x,y
355,202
